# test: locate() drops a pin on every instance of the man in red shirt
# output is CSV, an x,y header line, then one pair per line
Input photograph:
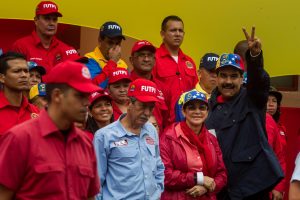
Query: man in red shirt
x,y
175,70
14,77
143,60
41,46
48,157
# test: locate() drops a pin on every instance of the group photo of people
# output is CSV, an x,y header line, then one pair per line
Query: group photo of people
x,y
161,127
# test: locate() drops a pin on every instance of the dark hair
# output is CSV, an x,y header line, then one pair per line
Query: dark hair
x,y
241,48
277,114
169,18
51,86
9,56
103,97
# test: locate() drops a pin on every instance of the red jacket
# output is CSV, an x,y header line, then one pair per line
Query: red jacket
x,y
173,78
276,142
178,177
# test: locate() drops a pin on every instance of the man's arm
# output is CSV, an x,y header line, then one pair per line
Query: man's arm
x,y
294,193
5,193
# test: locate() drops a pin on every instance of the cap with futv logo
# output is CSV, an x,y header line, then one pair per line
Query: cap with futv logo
x,y
143,90
111,29
209,61
47,7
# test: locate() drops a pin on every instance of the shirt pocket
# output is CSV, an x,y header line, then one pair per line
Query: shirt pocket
x,y
190,69
50,175
83,180
123,151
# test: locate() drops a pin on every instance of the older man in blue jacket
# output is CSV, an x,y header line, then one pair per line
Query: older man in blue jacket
x,y
237,117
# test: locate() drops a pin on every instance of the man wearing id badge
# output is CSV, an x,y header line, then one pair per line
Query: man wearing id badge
x,y
129,162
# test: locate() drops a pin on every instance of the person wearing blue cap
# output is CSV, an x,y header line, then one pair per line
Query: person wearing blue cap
x,y
237,116
35,73
194,167
107,54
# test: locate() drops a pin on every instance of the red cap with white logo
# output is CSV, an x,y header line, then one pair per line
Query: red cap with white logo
x,y
118,74
74,74
143,90
142,44
96,95
47,7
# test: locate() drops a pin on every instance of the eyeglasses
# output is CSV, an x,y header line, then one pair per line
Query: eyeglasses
x,y
144,55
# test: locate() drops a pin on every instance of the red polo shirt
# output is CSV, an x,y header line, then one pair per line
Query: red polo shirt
x,y
11,115
174,78
37,162
116,111
33,49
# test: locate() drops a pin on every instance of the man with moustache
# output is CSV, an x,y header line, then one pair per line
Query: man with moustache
x,y
14,77
237,117
41,46
127,150
48,157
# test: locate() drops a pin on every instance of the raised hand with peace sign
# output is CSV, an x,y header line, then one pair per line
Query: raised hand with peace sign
x,y
254,43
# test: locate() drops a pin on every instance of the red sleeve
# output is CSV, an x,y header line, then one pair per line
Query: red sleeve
x,y
105,72
13,156
174,179
94,187
221,173
19,47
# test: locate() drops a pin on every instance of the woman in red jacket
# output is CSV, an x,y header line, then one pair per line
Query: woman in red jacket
x,y
194,167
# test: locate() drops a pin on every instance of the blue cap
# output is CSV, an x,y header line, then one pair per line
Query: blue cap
x,y
111,30
192,95
230,59
209,61
34,66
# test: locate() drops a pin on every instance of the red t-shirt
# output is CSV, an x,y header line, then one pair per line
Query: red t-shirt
x,y
11,115
33,49
174,78
37,162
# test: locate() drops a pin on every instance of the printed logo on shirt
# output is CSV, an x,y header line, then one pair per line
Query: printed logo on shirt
x,y
34,115
121,143
58,57
149,140
71,51
189,64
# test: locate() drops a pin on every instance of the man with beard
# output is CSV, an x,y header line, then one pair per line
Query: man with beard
x,y
42,46
127,150
14,106
48,157
237,117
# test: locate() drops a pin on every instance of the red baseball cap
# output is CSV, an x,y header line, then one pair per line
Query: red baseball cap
x,y
74,74
142,44
47,7
143,90
118,74
96,95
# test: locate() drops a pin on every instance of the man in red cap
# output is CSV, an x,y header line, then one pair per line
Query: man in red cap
x,y
42,46
14,106
143,60
175,70
118,83
127,150
48,157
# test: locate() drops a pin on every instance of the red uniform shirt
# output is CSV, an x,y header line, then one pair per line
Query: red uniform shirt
x,y
11,115
116,111
33,49
38,162
174,78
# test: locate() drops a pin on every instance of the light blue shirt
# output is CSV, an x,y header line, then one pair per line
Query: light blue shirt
x,y
129,165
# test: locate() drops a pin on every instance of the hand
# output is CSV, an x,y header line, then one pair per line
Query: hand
x,y
209,183
114,53
254,43
276,195
196,191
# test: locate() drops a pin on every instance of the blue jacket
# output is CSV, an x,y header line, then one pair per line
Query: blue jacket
x,y
240,128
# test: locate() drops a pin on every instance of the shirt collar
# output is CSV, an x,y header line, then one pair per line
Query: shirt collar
x,y
164,51
4,102
37,40
48,126
134,76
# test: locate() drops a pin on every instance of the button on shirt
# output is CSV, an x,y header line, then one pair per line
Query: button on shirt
x,y
38,163
129,165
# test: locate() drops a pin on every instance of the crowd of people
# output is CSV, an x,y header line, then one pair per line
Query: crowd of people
x,y
89,127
